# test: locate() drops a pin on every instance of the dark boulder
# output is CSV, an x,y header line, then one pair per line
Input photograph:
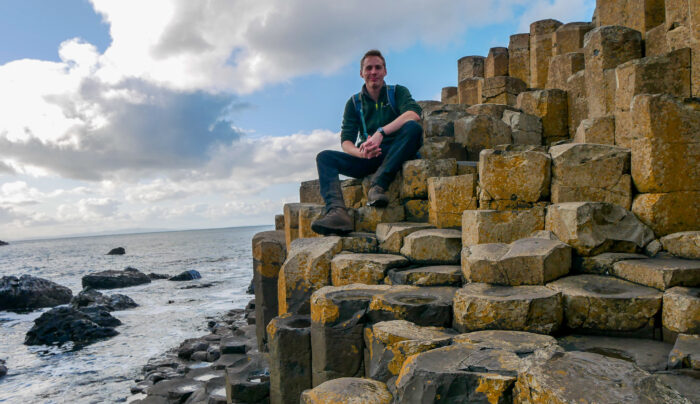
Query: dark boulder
x,y
89,297
100,316
3,243
63,324
186,276
154,276
115,279
3,368
117,251
29,292
251,288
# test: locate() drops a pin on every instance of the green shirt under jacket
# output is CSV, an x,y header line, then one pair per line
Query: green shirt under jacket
x,y
376,113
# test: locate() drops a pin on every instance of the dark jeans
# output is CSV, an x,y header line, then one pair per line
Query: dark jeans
x,y
396,149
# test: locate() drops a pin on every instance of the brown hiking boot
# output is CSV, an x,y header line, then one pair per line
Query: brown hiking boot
x,y
377,197
336,221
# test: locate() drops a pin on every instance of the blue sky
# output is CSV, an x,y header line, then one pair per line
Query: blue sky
x,y
174,114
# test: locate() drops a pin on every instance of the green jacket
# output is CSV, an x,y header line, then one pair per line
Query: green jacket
x,y
376,114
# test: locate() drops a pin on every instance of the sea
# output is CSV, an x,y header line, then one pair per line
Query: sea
x,y
168,312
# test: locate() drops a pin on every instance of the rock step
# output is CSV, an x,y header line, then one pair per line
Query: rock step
x,y
368,269
348,390
437,275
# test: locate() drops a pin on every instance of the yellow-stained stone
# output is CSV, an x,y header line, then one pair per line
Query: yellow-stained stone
x,y
306,269
591,172
668,213
443,147
640,15
391,235
470,67
568,38
417,210
595,303
655,42
552,107
325,302
502,90
596,130
496,63
439,275
359,242
269,252
500,226
368,217
449,95
479,306
577,103
424,306
519,342
469,90
666,144
368,269
416,174
393,193
514,173
519,57
480,132
433,246
541,35
390,342
352,194
684,244
279,222
561,67
449,197
348,390
685,353
310,192
681,310
307,215
660,273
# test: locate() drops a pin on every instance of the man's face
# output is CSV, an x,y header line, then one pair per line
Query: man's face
x,y
373,71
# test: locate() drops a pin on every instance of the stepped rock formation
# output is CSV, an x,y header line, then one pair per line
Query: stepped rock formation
x,y
557,192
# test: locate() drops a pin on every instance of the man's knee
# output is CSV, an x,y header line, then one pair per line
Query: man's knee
x,y
324,156
412,130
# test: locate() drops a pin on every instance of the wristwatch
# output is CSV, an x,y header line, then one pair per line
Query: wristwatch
x,y
381,130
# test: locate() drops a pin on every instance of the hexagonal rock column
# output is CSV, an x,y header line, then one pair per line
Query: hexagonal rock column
x,y
660,273
601,264
493,110
552,106
390,343
348,390
681,311
528,261
458,374
337,322
439,275
469,91
352,193
470,67
500,226
577,103
647,354
569,37
291,222
368,217
307,215
670,212
393,192
513,176
591,172
359,242
502,90
526,128
439,122
480,132
602,304
247,382
592,228
541,33
685,353
605,48
683,244
290,357
574,377
479,306
269,253
420,305
667,74
416,210
279,222
496,63
666,152
437,148
368,269
519,342
307,269
449,95
596,130
640,15
519,57
310,192
433,246
416,174
449,197
391,235
561,67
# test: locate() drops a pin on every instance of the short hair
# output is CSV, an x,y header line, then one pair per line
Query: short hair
x,y
372,52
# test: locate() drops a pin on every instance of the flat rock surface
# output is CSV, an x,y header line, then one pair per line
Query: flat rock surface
x,y
348,390
439,275
684,244
479,306
594,302
433,246
681,310
360,242
660,273
688,385
647,354
574,377
685,353
368,269
602,264
519,342
420,305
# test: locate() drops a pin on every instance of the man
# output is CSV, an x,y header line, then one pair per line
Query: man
x,y
395,137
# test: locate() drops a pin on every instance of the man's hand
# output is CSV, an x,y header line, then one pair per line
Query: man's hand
x,y
370,148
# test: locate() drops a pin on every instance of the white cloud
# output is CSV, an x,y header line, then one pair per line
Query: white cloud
x,y
562,10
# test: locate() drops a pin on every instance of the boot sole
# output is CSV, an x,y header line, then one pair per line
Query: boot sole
x,y
327,231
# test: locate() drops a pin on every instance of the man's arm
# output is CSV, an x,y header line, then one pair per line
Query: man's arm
x,y
371,146
350,148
